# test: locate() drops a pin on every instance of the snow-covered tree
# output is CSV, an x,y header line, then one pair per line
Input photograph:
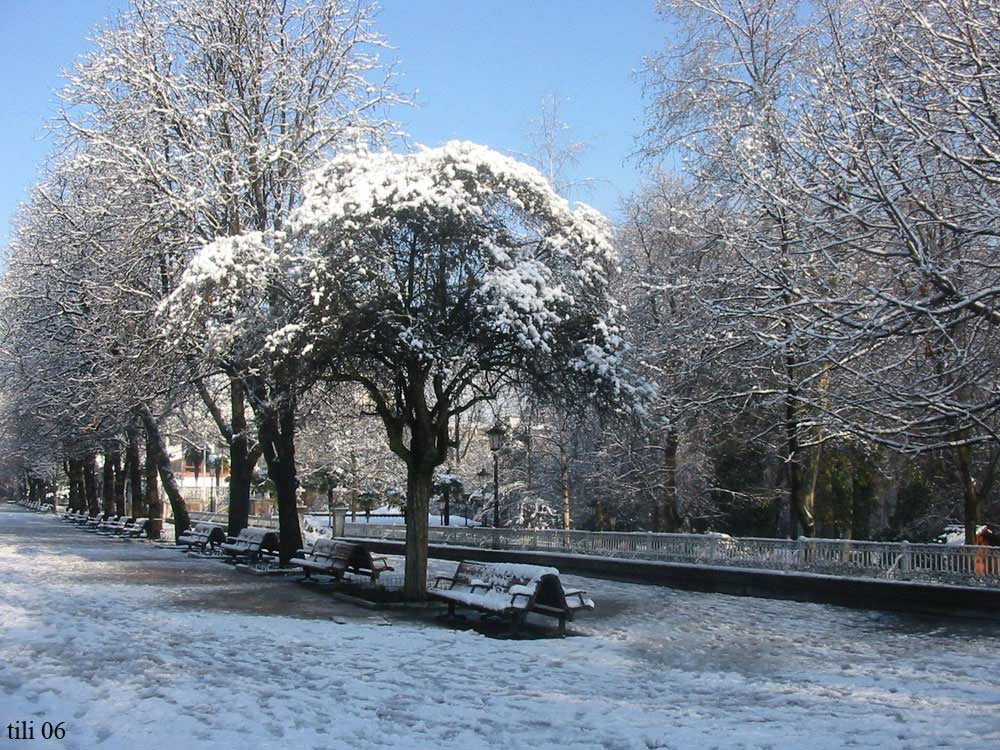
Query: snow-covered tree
x,y
434,281
900,156
213,110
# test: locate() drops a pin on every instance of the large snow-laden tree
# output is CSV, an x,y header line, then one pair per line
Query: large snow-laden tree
x,y
901,148
434,281
723,96
74,333
212,110
437,279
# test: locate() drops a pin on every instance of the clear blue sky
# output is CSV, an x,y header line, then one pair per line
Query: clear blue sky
x,y
480,67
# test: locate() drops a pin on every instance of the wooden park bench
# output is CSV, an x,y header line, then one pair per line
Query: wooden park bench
x,y
204,538
113,525
92,523
252,544
511,590
333,557
126,528
72,515
136,530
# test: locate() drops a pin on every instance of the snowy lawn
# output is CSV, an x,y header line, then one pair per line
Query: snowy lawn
x,y
134,648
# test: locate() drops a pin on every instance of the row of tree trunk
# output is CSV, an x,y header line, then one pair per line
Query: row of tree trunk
x,y
131,483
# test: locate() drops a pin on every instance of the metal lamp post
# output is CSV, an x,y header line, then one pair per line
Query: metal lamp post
x,y
496,435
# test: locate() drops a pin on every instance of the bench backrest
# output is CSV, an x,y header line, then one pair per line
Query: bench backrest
x,y
353,556
501,576
323,550
209,533
255,537
345,552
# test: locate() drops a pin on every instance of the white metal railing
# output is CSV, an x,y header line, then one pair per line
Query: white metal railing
x,y
268,522
897,560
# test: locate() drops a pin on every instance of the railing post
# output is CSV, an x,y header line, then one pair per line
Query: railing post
x,y
904,559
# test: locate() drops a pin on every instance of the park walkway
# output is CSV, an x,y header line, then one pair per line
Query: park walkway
x,y
136,647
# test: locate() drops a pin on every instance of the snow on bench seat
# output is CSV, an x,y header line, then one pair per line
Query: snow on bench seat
x,y
252,543
203,535
334,557
511,589
138,528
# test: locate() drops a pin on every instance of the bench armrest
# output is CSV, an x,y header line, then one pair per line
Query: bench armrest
x,y
380,563
579,594
438,579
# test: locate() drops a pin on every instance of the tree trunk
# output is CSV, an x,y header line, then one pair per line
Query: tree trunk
x,y
276,427
241,462
419,486
134,468
118,490
75,497
963,454
670,516
89,467
154,438
240,483
800,517
567,520
355,483
108,484
809,495
600,517
151,500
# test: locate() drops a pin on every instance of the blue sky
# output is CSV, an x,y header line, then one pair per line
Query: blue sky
x,y
480,69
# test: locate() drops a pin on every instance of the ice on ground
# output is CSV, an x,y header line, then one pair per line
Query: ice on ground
x,y
113,654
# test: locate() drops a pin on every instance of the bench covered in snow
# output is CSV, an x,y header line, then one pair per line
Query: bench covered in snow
x,y
333,557
82,518
94,522
204,536
113,525
124,527
512,590
252,544
136,529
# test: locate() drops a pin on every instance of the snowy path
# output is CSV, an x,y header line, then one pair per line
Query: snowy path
x,y
127,662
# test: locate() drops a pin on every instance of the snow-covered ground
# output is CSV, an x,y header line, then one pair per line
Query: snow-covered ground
x,y
138,648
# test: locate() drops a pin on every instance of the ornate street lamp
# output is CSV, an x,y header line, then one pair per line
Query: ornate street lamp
x,y
496,434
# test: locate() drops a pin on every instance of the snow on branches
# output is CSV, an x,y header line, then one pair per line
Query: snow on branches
x,y
460,258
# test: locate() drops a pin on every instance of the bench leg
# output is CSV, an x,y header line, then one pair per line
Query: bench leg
x,y
451,610
515,624
562,625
